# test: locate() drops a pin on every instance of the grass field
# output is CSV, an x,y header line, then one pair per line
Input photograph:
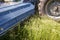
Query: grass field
x,y
35,28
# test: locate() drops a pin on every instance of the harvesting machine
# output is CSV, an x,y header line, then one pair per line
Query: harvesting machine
x,y
14,11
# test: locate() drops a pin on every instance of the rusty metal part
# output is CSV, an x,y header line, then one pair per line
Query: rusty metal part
x,y
41,5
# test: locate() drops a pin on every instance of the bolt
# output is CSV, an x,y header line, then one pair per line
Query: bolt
x,y
1,29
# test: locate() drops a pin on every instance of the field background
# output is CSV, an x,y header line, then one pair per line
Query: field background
x,y
35,28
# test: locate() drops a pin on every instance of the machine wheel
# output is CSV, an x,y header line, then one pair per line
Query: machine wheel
x,y
52,9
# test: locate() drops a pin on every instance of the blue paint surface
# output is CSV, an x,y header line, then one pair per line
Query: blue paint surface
x,y
11,15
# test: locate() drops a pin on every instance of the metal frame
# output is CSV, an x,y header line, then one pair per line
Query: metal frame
x,y
10,17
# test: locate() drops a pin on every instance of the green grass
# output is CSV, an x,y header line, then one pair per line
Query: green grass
x,y
36,28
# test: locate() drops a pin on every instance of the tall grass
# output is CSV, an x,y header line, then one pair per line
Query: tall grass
x,y
36,28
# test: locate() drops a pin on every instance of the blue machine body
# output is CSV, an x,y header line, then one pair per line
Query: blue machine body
x,y
10,15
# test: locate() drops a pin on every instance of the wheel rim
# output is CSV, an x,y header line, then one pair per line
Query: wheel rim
x,y
53,8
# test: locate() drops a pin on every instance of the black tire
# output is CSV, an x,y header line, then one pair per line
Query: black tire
x,y
52,9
